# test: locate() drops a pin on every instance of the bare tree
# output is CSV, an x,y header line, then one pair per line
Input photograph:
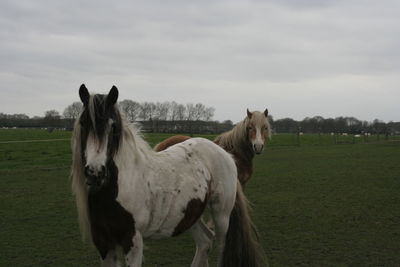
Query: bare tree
x,y
180,112
208,113
144,111
152,110
162,110
130,108
173,111
198,112
52,114
190,112
147,111
73,110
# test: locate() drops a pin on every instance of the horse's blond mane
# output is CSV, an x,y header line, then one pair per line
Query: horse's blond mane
x,y
233,139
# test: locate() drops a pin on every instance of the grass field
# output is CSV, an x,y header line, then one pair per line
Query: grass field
x,y
316,204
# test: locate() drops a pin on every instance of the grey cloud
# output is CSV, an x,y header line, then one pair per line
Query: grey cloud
x,y
230,54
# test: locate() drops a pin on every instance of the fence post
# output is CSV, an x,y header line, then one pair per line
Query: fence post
x,y
319,136
335,137
298,135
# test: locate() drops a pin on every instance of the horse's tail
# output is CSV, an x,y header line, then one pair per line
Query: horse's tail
x,y
242,247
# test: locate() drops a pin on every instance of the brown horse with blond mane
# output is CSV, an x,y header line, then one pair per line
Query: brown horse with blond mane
x,y
244,141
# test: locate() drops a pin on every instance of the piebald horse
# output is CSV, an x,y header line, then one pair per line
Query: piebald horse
x,y
126,192
244,141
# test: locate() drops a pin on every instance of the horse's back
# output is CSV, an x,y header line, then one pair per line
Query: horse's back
x,y
206,150
173,140
219,163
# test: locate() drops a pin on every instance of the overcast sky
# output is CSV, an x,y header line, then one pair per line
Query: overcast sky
x,y
297,58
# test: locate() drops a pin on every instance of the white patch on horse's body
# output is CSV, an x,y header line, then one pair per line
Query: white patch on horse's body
x,y
166,183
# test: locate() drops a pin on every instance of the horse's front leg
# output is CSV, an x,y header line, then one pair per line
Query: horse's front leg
x,y
134,257
110,260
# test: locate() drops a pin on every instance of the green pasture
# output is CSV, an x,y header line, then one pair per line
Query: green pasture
x,y
315,204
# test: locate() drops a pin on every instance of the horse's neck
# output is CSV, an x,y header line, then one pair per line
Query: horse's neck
x,y
240,147
134,153
245,152
134,169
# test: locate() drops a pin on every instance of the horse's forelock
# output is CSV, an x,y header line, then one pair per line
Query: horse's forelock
x,y
96,109
95,120
259,118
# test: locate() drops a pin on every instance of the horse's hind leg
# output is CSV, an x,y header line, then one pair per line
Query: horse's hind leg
x,y
221,210
221,222
203,237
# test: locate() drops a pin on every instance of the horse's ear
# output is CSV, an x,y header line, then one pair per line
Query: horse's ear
x,y
249,114
112,96
84,94
266,112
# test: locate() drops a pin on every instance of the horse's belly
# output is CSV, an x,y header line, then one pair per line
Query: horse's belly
x,y
177,210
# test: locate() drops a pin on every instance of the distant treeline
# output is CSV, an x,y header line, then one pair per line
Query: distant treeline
x,y
133,111
348,125
159,126
149,111
175,118
154,117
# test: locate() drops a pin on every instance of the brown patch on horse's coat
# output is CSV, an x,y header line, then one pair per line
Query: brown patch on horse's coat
x,y
192,213
173,140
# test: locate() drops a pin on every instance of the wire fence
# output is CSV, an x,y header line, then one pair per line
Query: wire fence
x,y
297,139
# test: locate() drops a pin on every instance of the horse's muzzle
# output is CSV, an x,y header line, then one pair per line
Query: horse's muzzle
x,y
258,148
95,176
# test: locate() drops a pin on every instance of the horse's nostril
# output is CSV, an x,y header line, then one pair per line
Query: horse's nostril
x,y
102,171
258,148
87,171
94,172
